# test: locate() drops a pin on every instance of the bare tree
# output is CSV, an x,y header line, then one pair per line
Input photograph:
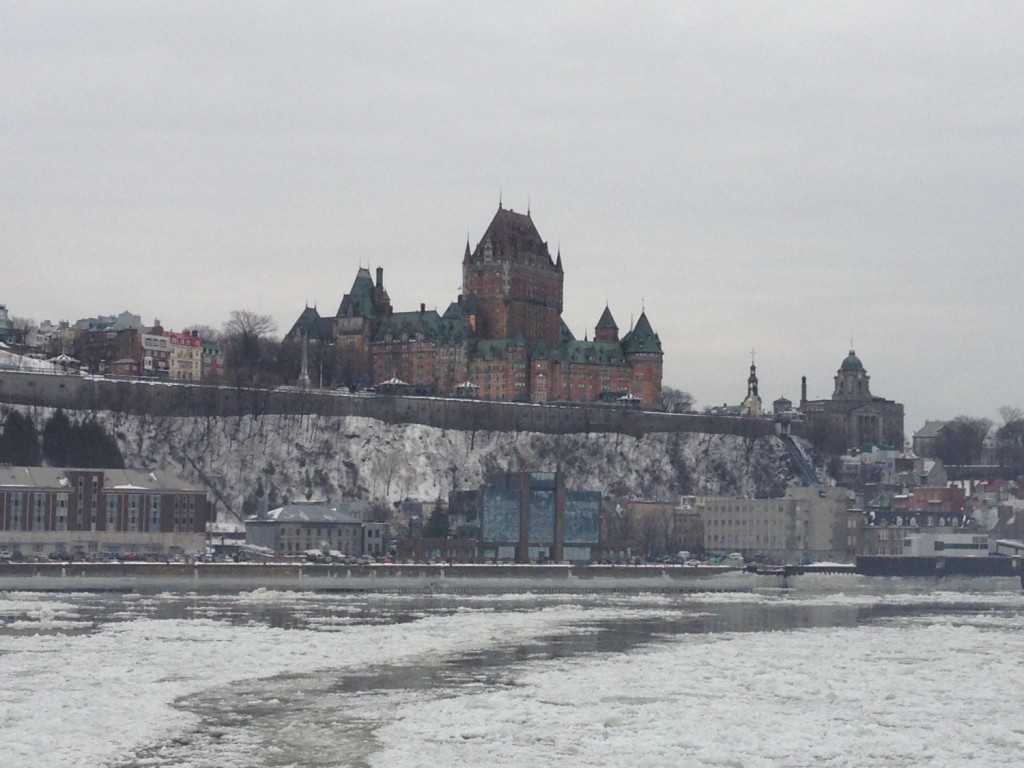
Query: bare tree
x,y
1010,437
205,332
675,400
23,328
1010,414
249,350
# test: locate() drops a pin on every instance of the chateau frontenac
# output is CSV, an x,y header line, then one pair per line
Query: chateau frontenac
x,y
503,338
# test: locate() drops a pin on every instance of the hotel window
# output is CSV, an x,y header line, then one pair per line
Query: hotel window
x,y
133,512
17,502
62,511
111,512
154,514
39,518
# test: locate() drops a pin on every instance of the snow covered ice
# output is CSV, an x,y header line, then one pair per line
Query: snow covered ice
x,y
275,679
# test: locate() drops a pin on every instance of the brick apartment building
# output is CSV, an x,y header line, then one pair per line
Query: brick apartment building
x,y
99,511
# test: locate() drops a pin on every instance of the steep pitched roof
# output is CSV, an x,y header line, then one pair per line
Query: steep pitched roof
x,y
312,325
512,236
358,302
458,309
642,338
607,321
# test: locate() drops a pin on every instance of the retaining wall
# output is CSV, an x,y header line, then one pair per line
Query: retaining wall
x,y
96,393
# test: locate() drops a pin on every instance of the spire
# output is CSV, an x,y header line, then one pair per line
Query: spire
x,y
752,379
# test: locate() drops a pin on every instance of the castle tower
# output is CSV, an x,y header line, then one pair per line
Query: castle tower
x,y
515,283
641,348
606,329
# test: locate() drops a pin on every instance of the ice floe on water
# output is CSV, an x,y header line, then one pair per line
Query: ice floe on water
x,y
933,693
280,678
85,700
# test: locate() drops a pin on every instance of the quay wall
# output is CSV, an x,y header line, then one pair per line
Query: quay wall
x,y
241,577
902,565
160,398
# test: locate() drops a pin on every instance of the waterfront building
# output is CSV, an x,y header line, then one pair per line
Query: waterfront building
x,y
532,517
302,526
99,512
807,524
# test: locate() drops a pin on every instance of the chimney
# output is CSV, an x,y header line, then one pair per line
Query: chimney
x,y
803,389
423,307
380,277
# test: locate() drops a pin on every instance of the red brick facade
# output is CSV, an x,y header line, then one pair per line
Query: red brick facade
x,y
503,339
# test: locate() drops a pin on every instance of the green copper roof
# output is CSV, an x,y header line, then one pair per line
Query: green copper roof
x,y
852,363
642,339
358,302
593,352
429,323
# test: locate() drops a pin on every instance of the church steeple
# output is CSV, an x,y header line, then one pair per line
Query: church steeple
x,y
752,378
752,402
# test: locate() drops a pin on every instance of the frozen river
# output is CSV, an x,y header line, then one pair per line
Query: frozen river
x,y
839,671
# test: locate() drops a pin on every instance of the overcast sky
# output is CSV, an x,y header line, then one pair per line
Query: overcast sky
x,y
779,177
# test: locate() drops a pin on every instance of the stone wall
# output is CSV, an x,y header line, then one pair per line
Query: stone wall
x,y
94,393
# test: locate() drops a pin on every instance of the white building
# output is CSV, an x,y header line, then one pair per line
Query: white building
x,y
946,544
808,524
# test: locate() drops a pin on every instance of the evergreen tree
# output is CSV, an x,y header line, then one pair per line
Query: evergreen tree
x,y
19,443
57,440
93,447
437,524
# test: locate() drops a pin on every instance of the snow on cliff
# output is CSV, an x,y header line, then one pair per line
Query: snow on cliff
x,y
320,457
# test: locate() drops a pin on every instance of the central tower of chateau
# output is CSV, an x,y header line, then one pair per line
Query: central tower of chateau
x,y
514,283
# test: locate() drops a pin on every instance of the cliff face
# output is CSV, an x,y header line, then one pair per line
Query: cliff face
x,y
330,457
298,444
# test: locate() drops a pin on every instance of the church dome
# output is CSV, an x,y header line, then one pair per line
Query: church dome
x,y
852,363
